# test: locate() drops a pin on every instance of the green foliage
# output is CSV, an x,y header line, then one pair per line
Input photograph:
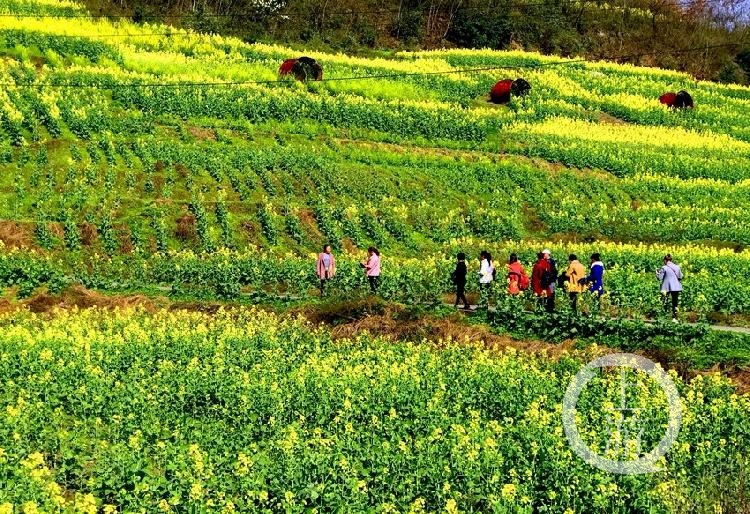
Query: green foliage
x,y
202,227
157,224
93,51
267,220
491,30
293,226
222,217
72,235
107,233
42,232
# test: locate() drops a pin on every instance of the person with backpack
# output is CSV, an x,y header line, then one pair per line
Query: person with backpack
x,y
540,281
372,268
517,279
573,275
670,277
458,277
326,267
551,279
486,276
595,278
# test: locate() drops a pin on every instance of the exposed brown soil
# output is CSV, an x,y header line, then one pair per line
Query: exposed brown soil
x,y
56,228
126,242
610,120
205,134
450,298
14,234
741,379
348,245
731,320
89,234
182,171
397,323
82,298
251,229
38,62
158,184
532,221
307,219
185,229
7,306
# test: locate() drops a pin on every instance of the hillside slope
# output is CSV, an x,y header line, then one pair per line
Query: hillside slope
x,y
126,139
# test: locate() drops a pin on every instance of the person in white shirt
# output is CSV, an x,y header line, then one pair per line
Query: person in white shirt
x,y
486,276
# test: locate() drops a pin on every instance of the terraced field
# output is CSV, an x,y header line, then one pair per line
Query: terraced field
x,y
130,145
141,158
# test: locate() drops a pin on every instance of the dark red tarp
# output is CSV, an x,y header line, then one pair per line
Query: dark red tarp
x,y
500,93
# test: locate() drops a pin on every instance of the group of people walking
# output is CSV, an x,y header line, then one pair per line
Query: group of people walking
x,y
545,280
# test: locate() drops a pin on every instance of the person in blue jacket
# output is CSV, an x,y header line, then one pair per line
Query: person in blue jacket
x,y
595,278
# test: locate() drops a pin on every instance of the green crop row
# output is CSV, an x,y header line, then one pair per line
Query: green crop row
x,y
421,199
711,278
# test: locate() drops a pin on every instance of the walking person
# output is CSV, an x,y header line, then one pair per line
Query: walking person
x,y
326,267
574,274
459,279
372,268
670,277
486,276
539,282
551,278
595,278
517,279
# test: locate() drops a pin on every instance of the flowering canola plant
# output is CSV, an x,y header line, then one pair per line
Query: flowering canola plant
x,y
129,411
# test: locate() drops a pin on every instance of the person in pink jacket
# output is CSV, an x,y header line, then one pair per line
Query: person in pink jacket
x,y
326,267
372,268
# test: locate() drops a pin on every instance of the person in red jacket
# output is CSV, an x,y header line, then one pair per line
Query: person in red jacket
x,y
543,294
517,280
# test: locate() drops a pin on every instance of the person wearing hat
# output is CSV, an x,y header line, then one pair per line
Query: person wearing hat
x,y
540,281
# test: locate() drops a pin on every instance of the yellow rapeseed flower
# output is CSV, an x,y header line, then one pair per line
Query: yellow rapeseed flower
x,y
509,491
30,508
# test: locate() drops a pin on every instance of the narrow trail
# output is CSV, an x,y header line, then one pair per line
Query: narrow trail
x,y
475,308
